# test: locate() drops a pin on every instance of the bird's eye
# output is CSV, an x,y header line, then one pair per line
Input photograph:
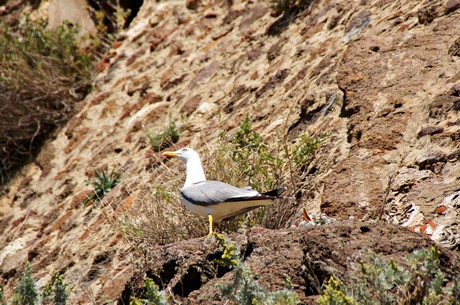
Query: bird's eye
x,y
184,149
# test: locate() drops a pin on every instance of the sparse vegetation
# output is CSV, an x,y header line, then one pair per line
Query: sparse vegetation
x,y
160,218
419,281
26,293
43,73
2,296
102,183
249,160
164,138
153,295
245,290
56,292
157,213
110,18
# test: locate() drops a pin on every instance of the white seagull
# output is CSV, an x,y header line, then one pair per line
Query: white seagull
x,y
215,199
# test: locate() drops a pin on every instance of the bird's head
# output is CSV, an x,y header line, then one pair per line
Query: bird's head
x,y
183,154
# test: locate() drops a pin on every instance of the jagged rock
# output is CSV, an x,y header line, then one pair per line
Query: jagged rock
x,y
429,159
309,255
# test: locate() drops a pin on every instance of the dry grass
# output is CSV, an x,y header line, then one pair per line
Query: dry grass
x,y
155,213
43,74
276,216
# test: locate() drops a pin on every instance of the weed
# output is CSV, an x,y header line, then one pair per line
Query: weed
x,y
157,215
153,295
110,18
382,282
44,73
2,296
245,289
56,292
26,292
304,151
47,294
254,157
249,160
102,183
164,138
335,293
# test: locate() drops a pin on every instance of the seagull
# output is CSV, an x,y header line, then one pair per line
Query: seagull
x,y
215,199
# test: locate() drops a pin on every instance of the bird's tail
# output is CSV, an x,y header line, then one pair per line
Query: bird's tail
x,y
275,193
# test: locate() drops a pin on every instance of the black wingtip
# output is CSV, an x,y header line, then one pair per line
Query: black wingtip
x,y
276,192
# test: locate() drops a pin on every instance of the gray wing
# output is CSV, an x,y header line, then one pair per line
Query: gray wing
x,y
212,192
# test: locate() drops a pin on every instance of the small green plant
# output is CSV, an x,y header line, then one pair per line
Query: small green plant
x,y
306,147
153,295
164,138
335,293
26,293
250,160
253,155
381,282
102,183
56,292
245,290
2,296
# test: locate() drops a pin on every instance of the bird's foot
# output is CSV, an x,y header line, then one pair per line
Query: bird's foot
x,y
211,225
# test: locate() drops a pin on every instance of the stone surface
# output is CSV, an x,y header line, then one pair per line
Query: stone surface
x,y
309,255
74,12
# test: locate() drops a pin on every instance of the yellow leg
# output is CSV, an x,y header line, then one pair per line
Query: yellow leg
x,y
211,224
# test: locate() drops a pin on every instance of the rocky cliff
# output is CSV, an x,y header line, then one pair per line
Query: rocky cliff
x,y
382,78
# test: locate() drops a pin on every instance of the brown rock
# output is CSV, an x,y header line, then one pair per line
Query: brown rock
x,y
452,6
454,49
430,130
191,105
192,4
189,271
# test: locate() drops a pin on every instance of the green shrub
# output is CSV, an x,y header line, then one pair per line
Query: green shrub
x,y
44,73
381,282
303,152
32,51
102,183
153,295
56,292
164,138
245,290
335,293
2,296
248,159
26,292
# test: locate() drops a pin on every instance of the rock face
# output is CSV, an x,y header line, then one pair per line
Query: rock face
x,y
381,77
71,11
309,255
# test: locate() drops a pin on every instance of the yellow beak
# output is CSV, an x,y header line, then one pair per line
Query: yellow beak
x,y
170,154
